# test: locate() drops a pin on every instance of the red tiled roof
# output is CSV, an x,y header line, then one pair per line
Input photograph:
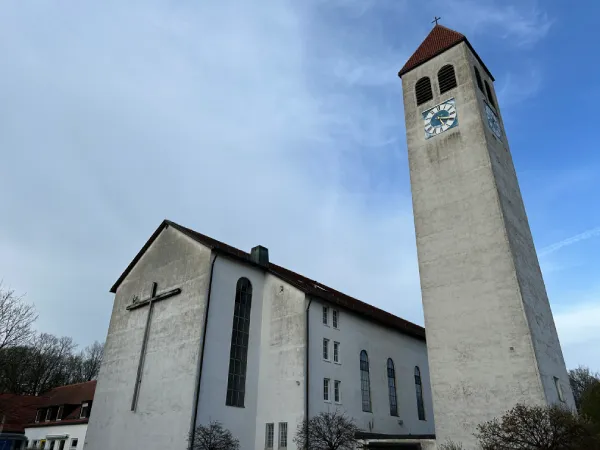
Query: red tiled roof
x,y
306,285
72,394
18,410
437,41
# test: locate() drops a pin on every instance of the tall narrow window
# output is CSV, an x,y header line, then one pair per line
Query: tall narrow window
x,y
478,78
325,315
419,390
326,389
238,355
269,435
489,93
336,391
282,434
326,349
391,373
336,352
365,383
423,90
559,391
334,318
446,78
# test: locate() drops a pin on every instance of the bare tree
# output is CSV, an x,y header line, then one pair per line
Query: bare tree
x,y
213,437
16,318
581,379
327,431
92,359
537,428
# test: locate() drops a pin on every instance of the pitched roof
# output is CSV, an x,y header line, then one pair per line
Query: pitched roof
x,y
438,41
304,284
18,410
72,394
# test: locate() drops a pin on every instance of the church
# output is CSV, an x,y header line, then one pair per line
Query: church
x,y
202,331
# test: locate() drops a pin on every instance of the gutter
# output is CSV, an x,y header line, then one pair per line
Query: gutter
x,y
201,359
307,380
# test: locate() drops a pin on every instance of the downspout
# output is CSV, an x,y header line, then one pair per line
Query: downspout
x,y
201,359
307,380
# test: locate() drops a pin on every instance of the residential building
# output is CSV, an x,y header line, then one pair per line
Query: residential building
x,y
61,418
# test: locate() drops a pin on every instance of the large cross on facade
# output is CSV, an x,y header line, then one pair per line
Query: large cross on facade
x,y
154,297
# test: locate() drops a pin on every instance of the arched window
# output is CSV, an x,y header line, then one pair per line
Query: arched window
x,y
489,94
238,355
423,90
391,373
365,383
419,389
478,78
446,78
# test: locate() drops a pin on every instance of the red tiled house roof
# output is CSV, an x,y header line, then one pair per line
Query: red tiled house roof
x,y
70,397
438,41
18,410
304,284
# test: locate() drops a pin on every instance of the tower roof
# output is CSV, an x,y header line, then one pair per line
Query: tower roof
x,y
438,41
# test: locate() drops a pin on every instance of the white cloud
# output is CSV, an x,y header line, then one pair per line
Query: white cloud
x,y
522,24
579,334
219,115
589,234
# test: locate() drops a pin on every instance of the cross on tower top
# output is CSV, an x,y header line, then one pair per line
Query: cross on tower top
x,y
436,19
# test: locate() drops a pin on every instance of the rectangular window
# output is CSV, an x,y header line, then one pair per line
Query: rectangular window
x,y
335,318
559,391
61,445
282,434
48,414
59,413
336,391
39,415
270,431
336,352
238,352
52,442
74,443
84,411
326,349
326,389
325,315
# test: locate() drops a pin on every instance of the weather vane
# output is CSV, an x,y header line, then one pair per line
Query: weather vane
x,y
435,20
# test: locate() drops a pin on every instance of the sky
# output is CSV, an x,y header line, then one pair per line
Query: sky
x,y
279,124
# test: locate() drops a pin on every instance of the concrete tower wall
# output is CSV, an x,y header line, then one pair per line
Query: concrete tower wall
x,y
480,279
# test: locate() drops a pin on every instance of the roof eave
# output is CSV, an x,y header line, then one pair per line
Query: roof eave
x,y
406,70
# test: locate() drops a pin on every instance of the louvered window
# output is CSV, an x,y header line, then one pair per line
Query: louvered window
x,y
446,78
478,78
423,90
489,94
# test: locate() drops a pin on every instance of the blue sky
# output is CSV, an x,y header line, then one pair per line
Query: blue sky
x,y
281,124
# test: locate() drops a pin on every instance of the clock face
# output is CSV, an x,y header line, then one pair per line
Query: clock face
x,y
493,122
440,118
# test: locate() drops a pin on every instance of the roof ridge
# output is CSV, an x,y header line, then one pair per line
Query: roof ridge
x,y
439,39
307,285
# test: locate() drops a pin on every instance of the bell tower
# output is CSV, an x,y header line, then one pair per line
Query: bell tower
x,y
491,338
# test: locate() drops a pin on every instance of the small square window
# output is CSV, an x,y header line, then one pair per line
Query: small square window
x,y
269,435
336,391
336,352
326,349
326,389
559,391
325,315
74,443
334,315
